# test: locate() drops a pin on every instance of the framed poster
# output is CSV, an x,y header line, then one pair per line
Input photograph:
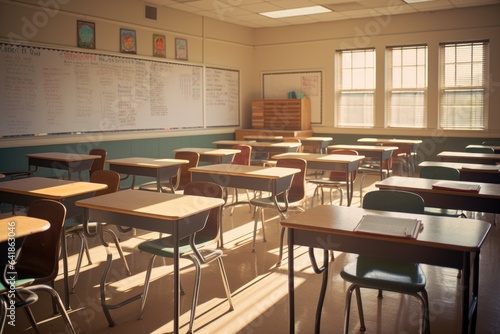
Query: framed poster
x,y
159,46
85,34
128,41
181,49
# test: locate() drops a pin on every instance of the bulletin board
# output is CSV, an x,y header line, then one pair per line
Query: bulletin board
x,y
277,85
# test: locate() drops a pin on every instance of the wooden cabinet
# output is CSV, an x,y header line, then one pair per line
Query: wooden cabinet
x,y
287,114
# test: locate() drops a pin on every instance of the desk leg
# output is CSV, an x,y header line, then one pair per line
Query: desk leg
x,y
324,283
65,270
177,295
291,291
349,182
466,305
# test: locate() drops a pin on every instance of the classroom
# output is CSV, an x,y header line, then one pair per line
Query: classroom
x,y
407,85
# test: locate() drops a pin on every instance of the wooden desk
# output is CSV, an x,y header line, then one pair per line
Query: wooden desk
x,y
381,153
179,215
408,147
274,139
263,148
347,163
487,200
69,162
318,144
231,143
470,157
275,180
470,172
20,226
444,241
160,169
214,156
24,191
496,148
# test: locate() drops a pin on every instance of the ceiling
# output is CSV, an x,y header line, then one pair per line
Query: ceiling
x,y
245,12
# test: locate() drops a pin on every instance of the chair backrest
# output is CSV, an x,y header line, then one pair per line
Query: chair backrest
x,y
184,173
340,175
480,149
39,257
394,200
207,189
98,164
245,155
107,177
297,191
440,173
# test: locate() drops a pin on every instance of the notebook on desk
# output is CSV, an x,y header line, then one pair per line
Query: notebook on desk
x,y
390,226
457,186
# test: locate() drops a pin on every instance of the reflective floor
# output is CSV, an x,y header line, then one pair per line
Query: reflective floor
x,y
259,290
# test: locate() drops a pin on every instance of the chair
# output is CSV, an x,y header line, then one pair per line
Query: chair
x,y
381,274
271,163
336,180
242,158
74,225
192,248
99,163
480,149
182,178
373,167
38,263
441,173
295,197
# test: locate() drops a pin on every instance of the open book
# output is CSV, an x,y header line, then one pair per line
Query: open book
x,y
391,226
457,186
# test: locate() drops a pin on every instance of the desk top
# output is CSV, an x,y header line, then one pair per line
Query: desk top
x,y
218,152
488,190
247,171
21,226
317,157
496,148
49,188
233,142
256,143
60,156
151,204
441,232
469,155
367,148
463,166
394,141
147,162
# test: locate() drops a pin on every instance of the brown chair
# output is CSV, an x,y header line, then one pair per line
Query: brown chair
x,y
335,181
293,198
98,164
39,256
192,248
74,226
242,158
182,178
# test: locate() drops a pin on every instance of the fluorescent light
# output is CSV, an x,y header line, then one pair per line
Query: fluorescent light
x,y
296,12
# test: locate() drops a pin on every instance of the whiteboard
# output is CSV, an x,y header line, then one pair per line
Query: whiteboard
x,y
278,85
51,91
222,97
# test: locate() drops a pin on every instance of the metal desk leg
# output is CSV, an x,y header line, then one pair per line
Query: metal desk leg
x,y
291,292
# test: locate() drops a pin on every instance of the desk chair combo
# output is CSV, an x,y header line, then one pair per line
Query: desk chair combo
x,y
381,274
295,197
38,263
192,248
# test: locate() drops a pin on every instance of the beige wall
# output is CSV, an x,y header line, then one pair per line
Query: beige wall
x,y
255,51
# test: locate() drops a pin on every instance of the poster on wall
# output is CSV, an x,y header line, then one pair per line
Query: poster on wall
x,y
128,41
85,34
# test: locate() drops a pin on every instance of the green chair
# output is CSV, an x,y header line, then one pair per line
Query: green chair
x,y
381,274
192,247
441,173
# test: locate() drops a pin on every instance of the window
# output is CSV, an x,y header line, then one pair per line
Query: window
x,y
407,86
356,87
463,85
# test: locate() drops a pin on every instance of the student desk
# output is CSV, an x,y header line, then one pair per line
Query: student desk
x,y
347,163
444,241
408,147
214,156
20,226
470,172
495,148
318,144
261,147
470,157
160,169
487,200
23,191
275,180
273,139
179,215
382,153
231,143
70,162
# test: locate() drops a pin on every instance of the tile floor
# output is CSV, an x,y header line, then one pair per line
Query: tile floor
x,y
259,290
